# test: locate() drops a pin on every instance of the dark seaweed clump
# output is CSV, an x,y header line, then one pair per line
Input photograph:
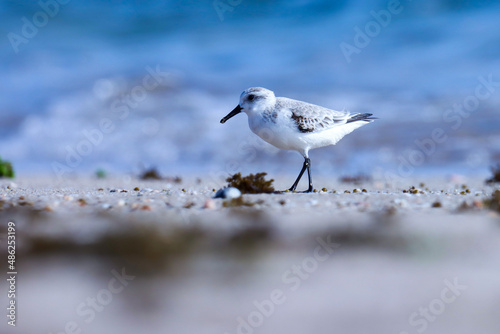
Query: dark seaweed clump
x,y
493,203
496,175
6,169
251,184
150,174
153,174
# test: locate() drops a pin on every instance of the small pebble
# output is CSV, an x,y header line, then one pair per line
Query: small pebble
x,y
209,204
189,205
228,193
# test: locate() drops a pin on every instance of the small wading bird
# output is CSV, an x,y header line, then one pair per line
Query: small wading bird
x,y
295,125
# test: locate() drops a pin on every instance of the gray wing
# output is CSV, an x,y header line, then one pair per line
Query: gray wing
x,y
312,118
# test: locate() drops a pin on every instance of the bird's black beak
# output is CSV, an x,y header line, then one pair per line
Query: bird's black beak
x,y
235,112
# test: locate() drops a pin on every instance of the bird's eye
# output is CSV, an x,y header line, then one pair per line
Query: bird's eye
x,y
251,97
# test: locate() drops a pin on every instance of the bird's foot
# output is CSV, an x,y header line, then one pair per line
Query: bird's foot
x,y
293,190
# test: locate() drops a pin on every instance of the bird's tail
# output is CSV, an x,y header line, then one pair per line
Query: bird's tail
x,y
361,117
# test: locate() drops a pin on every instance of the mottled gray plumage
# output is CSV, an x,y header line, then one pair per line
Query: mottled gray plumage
x,y
310,117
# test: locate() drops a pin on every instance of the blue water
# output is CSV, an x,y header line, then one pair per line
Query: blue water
x,y
79,68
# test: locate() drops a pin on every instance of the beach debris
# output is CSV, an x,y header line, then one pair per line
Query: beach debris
x,y
228,193
238,201
209,204
189,205
437,204
251,184
154,174
150,174
6,169
474,205
356,179
496,174
413,190
174,179
493,203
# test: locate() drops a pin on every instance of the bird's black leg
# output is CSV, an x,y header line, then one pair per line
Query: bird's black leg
x,y
305,166
308,162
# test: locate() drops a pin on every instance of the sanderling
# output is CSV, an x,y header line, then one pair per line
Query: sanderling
x,y
295,125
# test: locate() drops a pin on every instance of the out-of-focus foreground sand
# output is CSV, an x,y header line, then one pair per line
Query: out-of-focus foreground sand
x,y
129,256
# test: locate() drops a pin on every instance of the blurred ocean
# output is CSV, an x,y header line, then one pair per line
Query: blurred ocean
x,y
123,84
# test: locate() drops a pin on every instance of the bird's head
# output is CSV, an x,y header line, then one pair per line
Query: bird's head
x,y
254,100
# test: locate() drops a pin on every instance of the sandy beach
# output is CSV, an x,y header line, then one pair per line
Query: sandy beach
x,y
403,259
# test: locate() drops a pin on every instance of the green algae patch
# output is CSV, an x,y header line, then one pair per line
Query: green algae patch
x,y
6,169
